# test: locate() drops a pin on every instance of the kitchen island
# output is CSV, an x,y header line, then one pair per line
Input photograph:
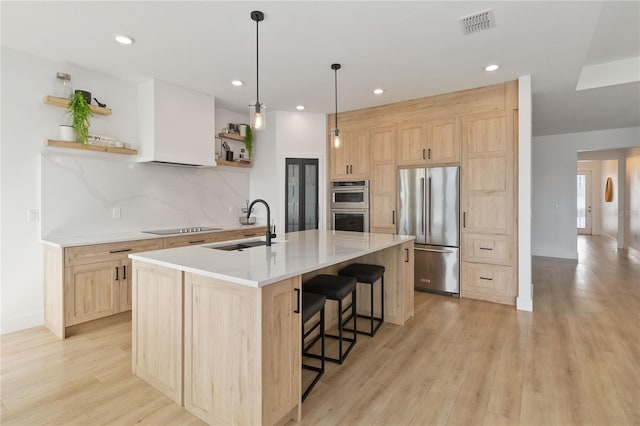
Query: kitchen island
x,y
219,331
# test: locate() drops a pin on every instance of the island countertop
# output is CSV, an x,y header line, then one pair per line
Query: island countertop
x,y
297,253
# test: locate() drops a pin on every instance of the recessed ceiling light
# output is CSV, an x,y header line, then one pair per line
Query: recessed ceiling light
x,y
237,82
300,107
123,39
491,67
378,91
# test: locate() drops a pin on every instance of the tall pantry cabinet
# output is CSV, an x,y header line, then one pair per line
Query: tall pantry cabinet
x,y
475,129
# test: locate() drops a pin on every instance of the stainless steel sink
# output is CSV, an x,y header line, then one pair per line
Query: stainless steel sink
x,y
240,246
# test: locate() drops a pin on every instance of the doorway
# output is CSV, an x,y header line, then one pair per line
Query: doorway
x,y
584,203
301,199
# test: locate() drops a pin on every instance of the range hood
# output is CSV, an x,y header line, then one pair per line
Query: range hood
x,y
176,125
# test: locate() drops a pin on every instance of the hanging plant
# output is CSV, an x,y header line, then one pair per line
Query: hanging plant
x,y
248,142
80,114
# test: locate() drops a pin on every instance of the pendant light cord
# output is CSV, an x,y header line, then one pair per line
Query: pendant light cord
x,y
336,90
257,64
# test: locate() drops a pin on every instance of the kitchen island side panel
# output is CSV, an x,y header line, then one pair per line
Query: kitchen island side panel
x,y
156,346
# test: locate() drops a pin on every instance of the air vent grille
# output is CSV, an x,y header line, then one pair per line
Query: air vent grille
x,y
477,21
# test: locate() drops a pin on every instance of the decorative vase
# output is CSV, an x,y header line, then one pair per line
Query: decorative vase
x,y
67,133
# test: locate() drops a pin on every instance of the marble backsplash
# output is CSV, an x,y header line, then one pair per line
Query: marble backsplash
x,y
80,192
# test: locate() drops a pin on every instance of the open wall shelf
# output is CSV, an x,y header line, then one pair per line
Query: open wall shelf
x,y
87,147
62,102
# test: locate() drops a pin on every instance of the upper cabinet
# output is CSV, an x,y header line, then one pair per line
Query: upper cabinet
x,y
177,125
350,160
429,142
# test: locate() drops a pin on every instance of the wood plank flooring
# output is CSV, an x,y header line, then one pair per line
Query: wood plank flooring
x,y
575,360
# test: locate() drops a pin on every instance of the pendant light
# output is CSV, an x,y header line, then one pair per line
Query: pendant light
x,y
335,132
257,110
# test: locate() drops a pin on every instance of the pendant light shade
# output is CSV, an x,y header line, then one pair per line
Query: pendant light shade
x,y
335,132
257,111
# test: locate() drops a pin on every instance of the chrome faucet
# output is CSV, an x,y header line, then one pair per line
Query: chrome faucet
x,y
269,234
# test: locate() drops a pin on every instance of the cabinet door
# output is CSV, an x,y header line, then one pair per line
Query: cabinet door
x,y
412,143
358,154
124,286
487,183
383,179
281,348
91,291
340,157
443,144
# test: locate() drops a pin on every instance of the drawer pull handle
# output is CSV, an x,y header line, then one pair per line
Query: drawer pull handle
x,y
485,278
250,235
117,278
485,248
124,272
120,251
297,311
432,250
406,252
196,241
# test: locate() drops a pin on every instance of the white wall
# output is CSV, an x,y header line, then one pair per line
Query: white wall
x,y
82,184
554,183
609,210
288,135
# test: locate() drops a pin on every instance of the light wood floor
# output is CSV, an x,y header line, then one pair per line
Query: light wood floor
x,y
575,360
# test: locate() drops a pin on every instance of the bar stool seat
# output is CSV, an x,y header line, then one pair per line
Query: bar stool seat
x,y
313,303
368,274
335,287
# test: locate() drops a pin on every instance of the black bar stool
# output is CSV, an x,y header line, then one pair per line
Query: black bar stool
x,y
313,303
368,274
335,287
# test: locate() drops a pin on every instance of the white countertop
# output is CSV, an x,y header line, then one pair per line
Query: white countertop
x,y
69,240
259,266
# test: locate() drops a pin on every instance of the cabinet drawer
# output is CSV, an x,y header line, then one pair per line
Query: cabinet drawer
x,y
84,255
185,240
492,283
487,248
245,233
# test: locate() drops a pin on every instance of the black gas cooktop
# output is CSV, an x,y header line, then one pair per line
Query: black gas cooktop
x,y
178,231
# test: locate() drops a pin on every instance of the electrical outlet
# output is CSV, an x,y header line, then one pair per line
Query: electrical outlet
x,y
33,215
116,213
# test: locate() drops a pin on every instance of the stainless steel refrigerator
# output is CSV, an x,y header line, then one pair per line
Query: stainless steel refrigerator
x,y
429,208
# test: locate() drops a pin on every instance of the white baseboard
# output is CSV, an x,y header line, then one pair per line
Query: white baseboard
x,y
523,304
35,319
552,253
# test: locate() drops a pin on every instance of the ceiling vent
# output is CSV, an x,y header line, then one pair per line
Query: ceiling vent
x,y
477,21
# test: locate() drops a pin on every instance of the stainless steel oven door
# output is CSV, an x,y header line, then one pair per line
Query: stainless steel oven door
x,y
356,220
345,196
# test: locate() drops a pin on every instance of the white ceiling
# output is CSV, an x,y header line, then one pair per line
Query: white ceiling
x,y
411,49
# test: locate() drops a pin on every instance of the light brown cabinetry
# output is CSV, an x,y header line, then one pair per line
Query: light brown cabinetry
x,y
475,129
246,369
91,292
350,160
85,283
96,281
382,186
429,142
488,209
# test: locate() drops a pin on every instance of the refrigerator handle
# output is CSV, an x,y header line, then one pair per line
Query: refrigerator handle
x,y
430,209
422,205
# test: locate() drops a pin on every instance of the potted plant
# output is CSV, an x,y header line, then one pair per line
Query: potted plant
x,y
80,114
248,142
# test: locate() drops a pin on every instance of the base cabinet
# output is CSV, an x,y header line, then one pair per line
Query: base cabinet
x,y
247,368
91,292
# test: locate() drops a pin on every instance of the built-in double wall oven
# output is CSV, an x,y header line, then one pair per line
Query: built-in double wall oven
x,y
350,206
